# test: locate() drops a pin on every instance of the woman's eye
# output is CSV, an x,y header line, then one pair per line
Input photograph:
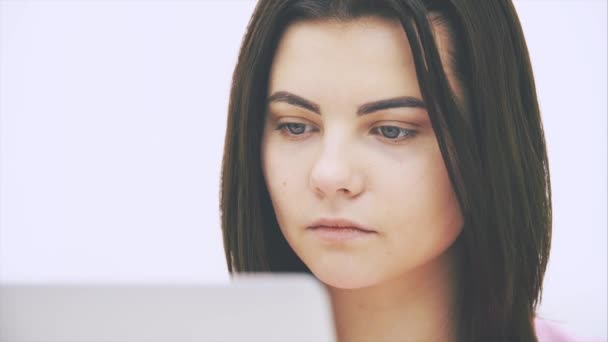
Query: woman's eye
x,y
391,133
395,133
294,128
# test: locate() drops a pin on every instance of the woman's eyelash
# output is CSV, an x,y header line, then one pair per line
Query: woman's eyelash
x,y
391,133
401,133
293,126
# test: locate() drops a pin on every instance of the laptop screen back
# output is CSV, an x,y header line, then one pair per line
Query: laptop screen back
x,y
251,308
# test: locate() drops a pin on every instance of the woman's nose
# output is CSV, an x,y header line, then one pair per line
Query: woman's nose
x,y
334,173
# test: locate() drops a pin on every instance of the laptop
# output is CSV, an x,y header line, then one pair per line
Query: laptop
x,y
260,307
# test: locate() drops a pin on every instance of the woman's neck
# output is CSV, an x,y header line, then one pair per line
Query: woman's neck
x,y
417,306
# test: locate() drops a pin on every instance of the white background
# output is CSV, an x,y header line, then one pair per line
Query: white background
x,y
112,120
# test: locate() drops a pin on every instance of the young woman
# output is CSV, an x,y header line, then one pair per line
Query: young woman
x,y
393,149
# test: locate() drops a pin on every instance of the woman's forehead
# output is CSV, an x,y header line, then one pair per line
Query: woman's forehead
x,y
379,42
365,57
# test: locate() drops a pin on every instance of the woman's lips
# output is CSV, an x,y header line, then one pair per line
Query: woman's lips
x,y
340,229
339,223
334,234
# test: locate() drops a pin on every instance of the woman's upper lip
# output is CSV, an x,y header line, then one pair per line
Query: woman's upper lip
x,y
339,223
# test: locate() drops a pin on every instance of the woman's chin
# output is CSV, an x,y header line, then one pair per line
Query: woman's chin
x,y
344,278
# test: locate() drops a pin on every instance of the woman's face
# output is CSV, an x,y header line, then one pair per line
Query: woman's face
x,y
331,150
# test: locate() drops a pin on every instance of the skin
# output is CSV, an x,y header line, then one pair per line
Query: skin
x,y
400,280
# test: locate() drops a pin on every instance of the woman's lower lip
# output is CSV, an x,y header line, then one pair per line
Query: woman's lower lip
x,y
340,234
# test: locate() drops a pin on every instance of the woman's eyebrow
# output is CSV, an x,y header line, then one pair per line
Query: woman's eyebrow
x,y
395,102
366,108
293,99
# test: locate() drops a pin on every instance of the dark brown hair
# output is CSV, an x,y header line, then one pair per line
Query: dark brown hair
x,y
491,140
